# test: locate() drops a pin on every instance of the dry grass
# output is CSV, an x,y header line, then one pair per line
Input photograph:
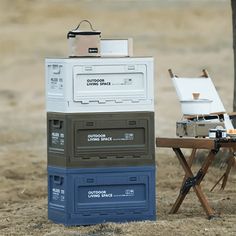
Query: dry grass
x,y
184,35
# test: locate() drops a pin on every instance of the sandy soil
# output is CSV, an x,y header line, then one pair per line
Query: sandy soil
x,y
183,35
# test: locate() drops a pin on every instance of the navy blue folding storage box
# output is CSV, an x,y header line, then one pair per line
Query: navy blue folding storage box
x,y
87,196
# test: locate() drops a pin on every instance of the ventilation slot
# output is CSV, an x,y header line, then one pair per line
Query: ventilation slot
x,y
136,156
86,158
133,179
103,214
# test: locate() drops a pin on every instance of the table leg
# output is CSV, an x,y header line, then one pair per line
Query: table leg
x,y
178,203
218,181
190,162
207,163
188,173
193,182
226,174
204,202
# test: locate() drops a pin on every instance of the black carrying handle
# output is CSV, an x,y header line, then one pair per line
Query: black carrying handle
x,y
56,124
57,179
92,32
91,27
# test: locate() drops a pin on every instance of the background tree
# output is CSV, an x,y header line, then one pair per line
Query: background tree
x,y
233,5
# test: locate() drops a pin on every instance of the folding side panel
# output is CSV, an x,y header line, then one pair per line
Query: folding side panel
x,y
108,83
112,136
115,191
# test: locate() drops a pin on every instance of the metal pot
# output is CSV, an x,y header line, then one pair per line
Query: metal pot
x,y
196,107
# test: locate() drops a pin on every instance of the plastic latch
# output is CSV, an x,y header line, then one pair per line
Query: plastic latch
x,y
131,67
88,68
90,123
132,122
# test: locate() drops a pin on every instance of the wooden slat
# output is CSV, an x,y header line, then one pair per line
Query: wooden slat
x,y
197,143
228,144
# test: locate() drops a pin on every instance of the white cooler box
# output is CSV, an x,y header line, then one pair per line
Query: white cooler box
x,y
99,84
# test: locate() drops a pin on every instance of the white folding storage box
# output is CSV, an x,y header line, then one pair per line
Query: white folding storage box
x,y
99,84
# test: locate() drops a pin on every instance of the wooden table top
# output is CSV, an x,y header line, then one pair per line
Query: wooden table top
x,y
198,143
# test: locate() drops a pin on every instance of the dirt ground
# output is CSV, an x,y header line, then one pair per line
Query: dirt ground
x,y
183,35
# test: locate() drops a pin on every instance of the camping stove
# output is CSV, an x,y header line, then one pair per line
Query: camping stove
x,y
197,128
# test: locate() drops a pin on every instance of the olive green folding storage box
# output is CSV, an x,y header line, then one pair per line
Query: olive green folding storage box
x,y
100,139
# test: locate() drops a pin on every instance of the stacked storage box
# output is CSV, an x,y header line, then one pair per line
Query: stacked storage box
x,y
101,150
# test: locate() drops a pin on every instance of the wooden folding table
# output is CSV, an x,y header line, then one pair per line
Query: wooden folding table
x,y
191,180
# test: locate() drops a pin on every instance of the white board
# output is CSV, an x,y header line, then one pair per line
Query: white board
x,y
186,86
